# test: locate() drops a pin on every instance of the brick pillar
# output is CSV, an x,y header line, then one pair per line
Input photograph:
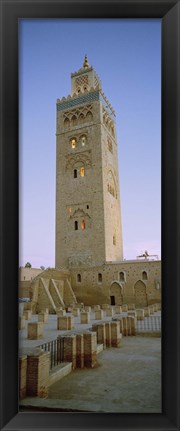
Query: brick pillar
x,y
121,325
70,322
115,334
125,329
151,307
90,349
38,364
133,325
129,325
70,349
99,314
79,351
22,376
65,322
133,314
85,317
108,334
101,333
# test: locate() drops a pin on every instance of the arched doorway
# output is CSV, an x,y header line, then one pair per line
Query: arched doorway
x,y
140,294
116,296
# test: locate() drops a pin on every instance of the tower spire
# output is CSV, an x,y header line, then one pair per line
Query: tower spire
x,y
86,63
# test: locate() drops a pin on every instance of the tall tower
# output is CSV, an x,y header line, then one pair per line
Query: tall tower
x,y
88,217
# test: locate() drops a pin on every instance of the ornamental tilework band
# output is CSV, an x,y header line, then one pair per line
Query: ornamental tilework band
x,y
90,97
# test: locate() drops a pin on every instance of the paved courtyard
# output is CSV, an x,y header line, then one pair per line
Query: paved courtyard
x,y
126,379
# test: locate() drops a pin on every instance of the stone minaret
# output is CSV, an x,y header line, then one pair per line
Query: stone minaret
x,y
88,216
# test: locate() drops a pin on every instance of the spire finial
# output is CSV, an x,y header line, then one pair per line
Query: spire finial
x,y
86,64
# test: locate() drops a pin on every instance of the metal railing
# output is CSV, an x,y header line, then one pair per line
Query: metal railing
x,y
149,324
56,350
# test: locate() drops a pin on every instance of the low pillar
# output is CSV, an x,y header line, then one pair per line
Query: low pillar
x,y
35,330
70,322
131,307
27,314
140,314
118,309
85,317
121,325
115,334
151,308
125,328
21,322
65,323
87,308
155,307
76,312
133,325
133,314
38,365
43,317
124,307
158,306
61,312
146,312
96,307
110,312
90,349
101,333
129,331
99,315
22,376
105,306
79,351
70,349
108,334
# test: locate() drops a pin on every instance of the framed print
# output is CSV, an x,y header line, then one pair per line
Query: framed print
x,y
87,192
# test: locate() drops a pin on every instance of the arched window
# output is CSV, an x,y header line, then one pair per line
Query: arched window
x,y
82,171
100,277
121,276
83,140
73,143
76,225
144,275
75,173
83,224
79,278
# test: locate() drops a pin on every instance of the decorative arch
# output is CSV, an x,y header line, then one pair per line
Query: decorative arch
x,y
140,294
116,293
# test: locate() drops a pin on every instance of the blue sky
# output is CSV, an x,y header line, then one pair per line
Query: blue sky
x,y
126,55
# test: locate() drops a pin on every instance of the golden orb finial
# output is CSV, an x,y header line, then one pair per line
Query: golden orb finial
x,y
86,64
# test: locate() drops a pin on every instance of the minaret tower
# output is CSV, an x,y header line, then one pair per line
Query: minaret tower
x,y
88,216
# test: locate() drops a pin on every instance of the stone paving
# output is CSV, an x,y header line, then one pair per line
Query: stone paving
x,y
125,380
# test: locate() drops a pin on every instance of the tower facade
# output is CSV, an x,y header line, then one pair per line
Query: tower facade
x,y
88,216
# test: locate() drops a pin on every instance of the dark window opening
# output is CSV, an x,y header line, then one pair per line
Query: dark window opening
x,y
121,276
76,225
75,173
112,300
100,277
79,278
144,275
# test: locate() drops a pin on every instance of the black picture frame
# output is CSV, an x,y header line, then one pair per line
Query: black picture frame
x,y
169,12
